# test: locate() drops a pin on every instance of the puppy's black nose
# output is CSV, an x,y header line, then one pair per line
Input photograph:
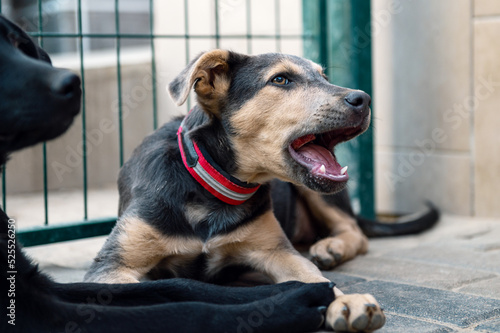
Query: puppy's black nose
x,y
358,100
66,85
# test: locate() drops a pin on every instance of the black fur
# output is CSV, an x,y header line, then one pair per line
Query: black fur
x,y
174,305
284,196
38,102
145,175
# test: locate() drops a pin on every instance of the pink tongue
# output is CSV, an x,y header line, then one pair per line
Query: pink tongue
x,y
320,156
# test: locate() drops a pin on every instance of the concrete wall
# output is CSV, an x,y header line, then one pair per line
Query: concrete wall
x,y
436,98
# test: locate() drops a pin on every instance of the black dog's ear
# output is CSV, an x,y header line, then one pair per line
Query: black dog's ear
x,y
209,73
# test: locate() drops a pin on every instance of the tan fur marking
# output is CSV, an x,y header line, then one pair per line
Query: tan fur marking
x,y
119,275
212,85
348,240
319,69
264,126
227,249
195,213
143,246
209,77
285,66
263,245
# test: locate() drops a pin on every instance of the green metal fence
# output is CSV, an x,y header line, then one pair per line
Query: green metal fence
x,y
342,43
336,34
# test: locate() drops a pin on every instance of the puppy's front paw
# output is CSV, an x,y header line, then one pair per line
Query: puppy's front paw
x,y
355,313
328,253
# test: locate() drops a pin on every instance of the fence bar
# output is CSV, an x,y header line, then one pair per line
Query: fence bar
x,y
64,232
187,49
351,67
2,168
217,32
160,36
44,145
186,30
119,79
277,22
84,114
153,64
249,26
343,46
315,31
362,69
4,188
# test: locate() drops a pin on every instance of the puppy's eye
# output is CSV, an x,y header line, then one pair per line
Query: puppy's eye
x,y
280,80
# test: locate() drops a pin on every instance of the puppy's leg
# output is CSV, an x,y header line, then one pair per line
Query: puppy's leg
x,y
345,240
264,246
132,249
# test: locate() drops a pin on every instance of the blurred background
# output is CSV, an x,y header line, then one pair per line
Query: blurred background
x,y
432,68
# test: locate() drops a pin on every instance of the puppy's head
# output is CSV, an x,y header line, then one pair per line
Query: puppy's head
x,y
38,101
281,114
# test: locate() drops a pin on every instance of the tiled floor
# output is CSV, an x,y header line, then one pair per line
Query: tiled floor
x,y
445,280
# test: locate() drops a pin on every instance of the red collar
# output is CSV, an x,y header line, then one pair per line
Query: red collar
x,y
209,174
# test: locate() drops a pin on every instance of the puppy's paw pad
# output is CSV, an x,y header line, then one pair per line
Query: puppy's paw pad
x,y
355,313
340,325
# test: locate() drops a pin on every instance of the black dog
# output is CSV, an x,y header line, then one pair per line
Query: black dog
x,y
37,103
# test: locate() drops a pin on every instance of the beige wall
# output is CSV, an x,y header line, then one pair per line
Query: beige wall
x,y
436,99
486,143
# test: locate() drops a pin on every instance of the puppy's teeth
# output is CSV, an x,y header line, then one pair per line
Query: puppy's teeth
x,y
322,169
343,170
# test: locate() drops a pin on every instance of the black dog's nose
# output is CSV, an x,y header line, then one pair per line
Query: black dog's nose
x,y
66,85
358,100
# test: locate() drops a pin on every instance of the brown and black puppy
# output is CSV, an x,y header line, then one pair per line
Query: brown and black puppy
x,y
195,197
38,102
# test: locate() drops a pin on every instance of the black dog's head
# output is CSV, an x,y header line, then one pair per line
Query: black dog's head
x,y
37,101
282,116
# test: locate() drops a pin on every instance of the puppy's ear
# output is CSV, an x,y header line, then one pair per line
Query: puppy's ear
x,y
209,73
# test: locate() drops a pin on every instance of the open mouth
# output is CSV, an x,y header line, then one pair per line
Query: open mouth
x,y
316,153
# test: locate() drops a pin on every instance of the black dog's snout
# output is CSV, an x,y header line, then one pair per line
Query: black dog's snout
x,y
66,85
358,100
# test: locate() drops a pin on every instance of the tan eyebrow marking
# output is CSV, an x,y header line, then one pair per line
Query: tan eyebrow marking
x,y
285,66
319,69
